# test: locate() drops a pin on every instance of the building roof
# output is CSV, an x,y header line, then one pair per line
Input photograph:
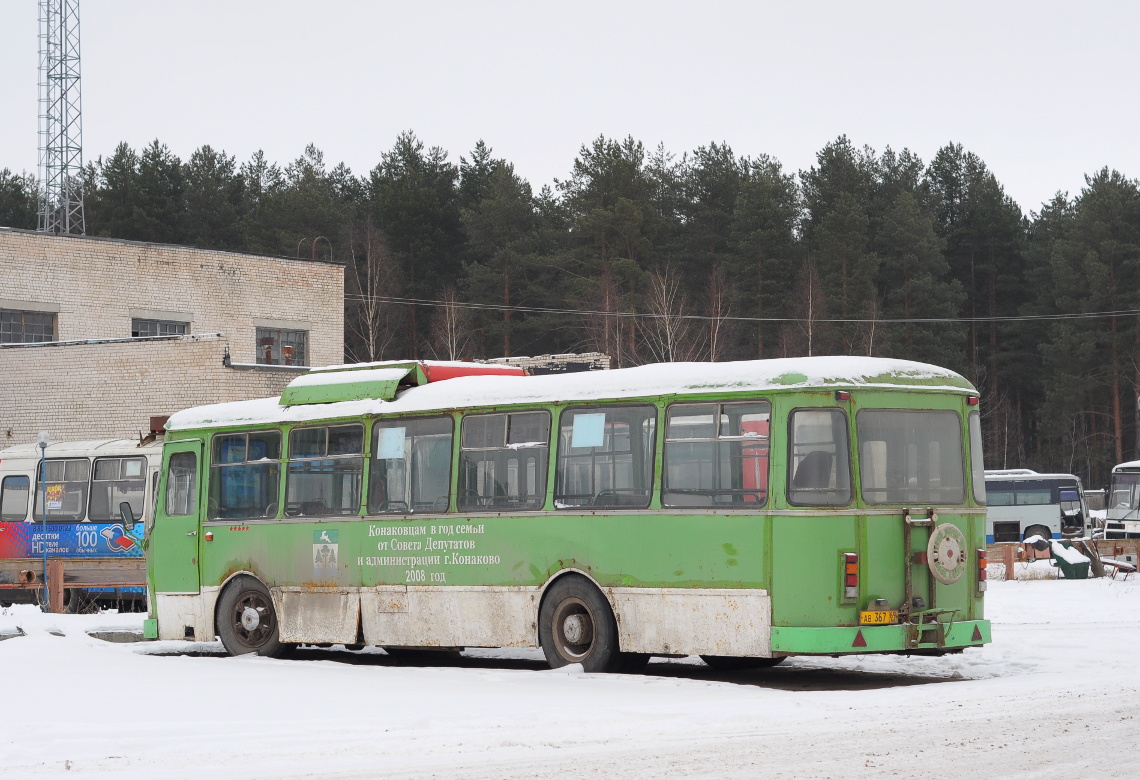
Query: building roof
x,y
154,245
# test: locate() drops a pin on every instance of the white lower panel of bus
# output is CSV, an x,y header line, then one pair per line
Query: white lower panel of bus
x,y
650,620
692,622
317,614
450,616
178,612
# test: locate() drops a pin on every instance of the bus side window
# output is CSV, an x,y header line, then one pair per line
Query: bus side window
x,y
326,467
819,468
492,446
411,466
244,475
716,455
14,492
68,481
117,480
182,484
605,457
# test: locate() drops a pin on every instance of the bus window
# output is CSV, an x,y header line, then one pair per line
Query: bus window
x,y
67,484
14,492
326,465
910,456
182,484
819,469
716,455
493,446
411,466
605,456
977,466
244,475
117,480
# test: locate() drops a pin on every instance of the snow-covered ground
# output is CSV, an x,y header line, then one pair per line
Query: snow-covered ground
x,y
1057,694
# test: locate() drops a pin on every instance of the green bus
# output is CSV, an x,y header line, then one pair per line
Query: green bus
x,y
743,512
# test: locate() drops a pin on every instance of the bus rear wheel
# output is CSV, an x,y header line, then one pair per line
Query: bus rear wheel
x,y
247,621
729,663
577,626
1038,530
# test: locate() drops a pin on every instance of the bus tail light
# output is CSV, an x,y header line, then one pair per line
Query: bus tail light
x,y
982,560
850,576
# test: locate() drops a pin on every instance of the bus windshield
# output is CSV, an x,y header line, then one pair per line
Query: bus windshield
x,y
1125,493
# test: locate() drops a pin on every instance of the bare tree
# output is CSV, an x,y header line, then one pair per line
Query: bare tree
x,y
719,309
451,328
604,329
667,329
807,334
373,278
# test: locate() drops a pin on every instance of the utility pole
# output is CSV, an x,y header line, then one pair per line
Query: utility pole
x,y
61,123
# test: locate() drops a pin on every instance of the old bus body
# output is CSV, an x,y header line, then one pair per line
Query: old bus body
x,y
741,511
87,482
1122,520
1022,503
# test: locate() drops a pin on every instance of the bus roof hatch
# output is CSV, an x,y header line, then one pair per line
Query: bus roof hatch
x,y
379,380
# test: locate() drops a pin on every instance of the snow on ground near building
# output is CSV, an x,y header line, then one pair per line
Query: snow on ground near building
x,y
1057,694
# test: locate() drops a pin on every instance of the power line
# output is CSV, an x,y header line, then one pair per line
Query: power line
x,y
706,318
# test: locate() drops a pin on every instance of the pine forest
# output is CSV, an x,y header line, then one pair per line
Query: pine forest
x,y
649,255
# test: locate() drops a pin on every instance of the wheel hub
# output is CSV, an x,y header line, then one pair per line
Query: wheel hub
x,y
250,619
574,630
577,629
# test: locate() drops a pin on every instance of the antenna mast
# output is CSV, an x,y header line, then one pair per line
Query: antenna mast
x,y
61,124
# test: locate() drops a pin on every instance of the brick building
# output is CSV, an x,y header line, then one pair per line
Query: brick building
x,y
97,335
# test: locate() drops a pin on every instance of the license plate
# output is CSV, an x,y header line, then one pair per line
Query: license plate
x,y
878,617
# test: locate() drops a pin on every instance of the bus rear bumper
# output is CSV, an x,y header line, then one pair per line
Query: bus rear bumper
x,y
901,638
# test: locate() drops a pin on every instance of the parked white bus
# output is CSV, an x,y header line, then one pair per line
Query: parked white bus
x,y
75,515
1123,517
1022,503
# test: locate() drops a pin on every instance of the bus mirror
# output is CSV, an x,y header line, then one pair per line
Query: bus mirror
x,y
127,514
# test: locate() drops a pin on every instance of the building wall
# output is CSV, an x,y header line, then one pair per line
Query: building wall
x,y
96,285
111,389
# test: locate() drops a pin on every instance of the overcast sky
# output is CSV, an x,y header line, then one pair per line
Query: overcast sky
x,y
1044,92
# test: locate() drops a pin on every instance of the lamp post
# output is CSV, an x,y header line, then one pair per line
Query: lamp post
x,y
42,440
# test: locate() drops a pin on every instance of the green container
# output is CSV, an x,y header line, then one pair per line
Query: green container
x,y
1072,571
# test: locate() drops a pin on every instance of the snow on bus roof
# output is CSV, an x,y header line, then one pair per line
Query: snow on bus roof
x,y
640,381
59,449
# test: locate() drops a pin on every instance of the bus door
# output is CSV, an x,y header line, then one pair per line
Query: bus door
x,y
173,552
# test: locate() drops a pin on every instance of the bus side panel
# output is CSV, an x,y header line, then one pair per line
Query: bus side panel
x,y
475,580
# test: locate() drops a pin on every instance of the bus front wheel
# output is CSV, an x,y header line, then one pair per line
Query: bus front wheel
x,y
247,621
577,626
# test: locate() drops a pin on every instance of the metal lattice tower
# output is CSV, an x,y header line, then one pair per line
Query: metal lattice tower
x,y
61,125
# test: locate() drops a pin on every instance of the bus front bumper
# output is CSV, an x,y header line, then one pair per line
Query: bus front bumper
x,y
899,638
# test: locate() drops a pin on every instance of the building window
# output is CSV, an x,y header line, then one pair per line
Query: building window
x,y
26,327
281,347
141,328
